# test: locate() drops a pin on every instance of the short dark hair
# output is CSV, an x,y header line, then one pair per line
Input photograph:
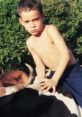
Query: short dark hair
x,y
24,5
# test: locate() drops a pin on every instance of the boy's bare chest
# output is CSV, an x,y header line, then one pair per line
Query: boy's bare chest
x,y
43,45
46,48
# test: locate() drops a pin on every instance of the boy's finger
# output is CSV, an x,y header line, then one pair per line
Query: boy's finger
x,y
54,89
44,87
47,89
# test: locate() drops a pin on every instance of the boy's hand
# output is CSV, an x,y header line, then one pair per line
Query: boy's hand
x,y
48,85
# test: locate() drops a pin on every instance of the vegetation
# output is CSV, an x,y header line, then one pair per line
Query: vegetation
x,y
12,37
66,15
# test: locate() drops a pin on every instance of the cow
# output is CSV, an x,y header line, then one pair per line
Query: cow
x,y
28,101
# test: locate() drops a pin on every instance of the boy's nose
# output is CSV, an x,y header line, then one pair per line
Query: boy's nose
x,y
32,25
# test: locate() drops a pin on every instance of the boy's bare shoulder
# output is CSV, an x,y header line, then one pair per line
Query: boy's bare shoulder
x,y
28,41
51,29
51,26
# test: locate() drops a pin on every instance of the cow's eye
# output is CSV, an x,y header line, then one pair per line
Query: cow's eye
x,y
17,78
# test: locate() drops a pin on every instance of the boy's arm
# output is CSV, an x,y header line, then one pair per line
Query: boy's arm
x,y
40,68
63,49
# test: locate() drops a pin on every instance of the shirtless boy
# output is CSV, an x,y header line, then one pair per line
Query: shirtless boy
x,y
49,49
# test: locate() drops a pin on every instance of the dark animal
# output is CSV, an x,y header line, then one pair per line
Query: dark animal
x,y
28,103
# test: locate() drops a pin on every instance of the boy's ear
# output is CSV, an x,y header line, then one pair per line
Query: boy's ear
x,y
20,21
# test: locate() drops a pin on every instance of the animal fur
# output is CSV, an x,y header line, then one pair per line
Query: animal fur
x,y
15,80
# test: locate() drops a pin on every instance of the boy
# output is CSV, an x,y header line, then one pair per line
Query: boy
x,y
49,49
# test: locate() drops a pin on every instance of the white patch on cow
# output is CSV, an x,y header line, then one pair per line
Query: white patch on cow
x,y
10,90
69,102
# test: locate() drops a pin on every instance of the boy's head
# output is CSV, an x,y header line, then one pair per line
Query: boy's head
x,y
27,5
31,16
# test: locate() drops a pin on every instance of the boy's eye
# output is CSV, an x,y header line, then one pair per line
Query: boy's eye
x,y
36,19
26,21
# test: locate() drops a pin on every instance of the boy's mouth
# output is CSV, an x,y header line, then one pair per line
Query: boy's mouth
x,y
34,31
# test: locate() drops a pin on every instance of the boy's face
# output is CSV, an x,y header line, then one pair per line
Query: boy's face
x,y
32,21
